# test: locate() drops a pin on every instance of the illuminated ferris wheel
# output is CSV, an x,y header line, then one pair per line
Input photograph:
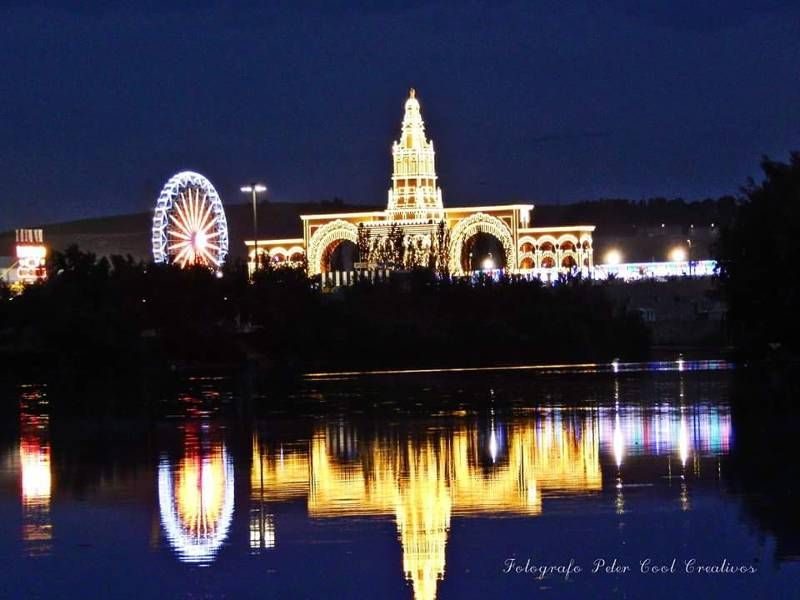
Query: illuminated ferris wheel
x,y
189,226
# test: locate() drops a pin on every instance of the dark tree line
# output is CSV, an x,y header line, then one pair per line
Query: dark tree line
x,y
757,253
116,316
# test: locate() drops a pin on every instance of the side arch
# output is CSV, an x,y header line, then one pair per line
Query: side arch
x,y
335,231
568,238
480,223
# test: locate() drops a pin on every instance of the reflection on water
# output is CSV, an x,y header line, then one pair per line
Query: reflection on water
x,y
620,463
196,496
552,369
424,479
35,471
666,430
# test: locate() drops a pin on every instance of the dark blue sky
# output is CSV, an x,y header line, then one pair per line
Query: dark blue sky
x,y
545,102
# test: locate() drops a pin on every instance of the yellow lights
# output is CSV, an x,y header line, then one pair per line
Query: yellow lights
x,y
199,492
677,254
613,257
512,468
414,194
31,256
424,232
200,242
488,263
262,530
192,230
28,251
422,483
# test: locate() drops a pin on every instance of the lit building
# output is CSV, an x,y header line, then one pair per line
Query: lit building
x,y
417,230
656,270
31,256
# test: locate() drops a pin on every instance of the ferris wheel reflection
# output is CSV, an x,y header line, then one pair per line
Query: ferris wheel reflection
x,y
196,498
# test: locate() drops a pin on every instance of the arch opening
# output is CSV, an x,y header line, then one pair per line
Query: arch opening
x,y
548,262
339,255
462,257
483,252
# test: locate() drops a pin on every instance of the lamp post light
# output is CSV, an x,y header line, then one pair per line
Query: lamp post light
x,y
613,257
678,254
255,189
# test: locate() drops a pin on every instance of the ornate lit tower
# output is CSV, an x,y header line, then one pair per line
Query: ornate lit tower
x,y
414,194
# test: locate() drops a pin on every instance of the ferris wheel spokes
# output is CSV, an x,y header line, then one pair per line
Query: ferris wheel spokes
x,y
189,227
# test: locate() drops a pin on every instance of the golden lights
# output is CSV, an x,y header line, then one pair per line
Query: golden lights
x,y
431,234
423,482
31,256
466,469
414,194
191,233
677,254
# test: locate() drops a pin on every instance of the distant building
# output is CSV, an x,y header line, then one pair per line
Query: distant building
x,y
8,269
656,270
417,230
31,256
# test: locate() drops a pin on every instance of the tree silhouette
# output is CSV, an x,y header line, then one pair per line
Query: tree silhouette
x,y
756,255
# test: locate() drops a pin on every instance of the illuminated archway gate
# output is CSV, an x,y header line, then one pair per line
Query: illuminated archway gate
x,y
472,225
335,231
415,211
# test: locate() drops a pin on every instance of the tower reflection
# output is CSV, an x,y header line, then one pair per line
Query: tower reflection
x,y
196,496
459,468
422,481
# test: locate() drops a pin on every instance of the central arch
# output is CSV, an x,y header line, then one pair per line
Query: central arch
x,y
472,225
331,233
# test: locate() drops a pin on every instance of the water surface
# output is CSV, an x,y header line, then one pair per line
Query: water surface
x,y
403,485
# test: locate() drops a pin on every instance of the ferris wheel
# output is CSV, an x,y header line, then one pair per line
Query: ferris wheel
x,y
189,226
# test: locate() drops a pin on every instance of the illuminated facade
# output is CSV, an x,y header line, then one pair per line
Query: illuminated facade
x,y
31,256
656,270
416,230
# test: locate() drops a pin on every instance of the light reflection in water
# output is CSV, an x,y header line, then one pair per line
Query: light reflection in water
x,y
636,430
35,472
467,468
195,497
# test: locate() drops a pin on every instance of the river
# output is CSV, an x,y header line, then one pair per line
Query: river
x,y
586,481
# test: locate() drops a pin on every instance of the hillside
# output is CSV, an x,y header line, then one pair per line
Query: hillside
x,y
641,230
130,234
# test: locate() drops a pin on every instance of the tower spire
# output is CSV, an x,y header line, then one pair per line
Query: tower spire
x,y
414,194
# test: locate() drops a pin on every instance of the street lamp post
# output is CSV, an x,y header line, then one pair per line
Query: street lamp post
x,y
255,189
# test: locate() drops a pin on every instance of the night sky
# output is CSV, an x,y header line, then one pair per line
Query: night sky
x,y
545,102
